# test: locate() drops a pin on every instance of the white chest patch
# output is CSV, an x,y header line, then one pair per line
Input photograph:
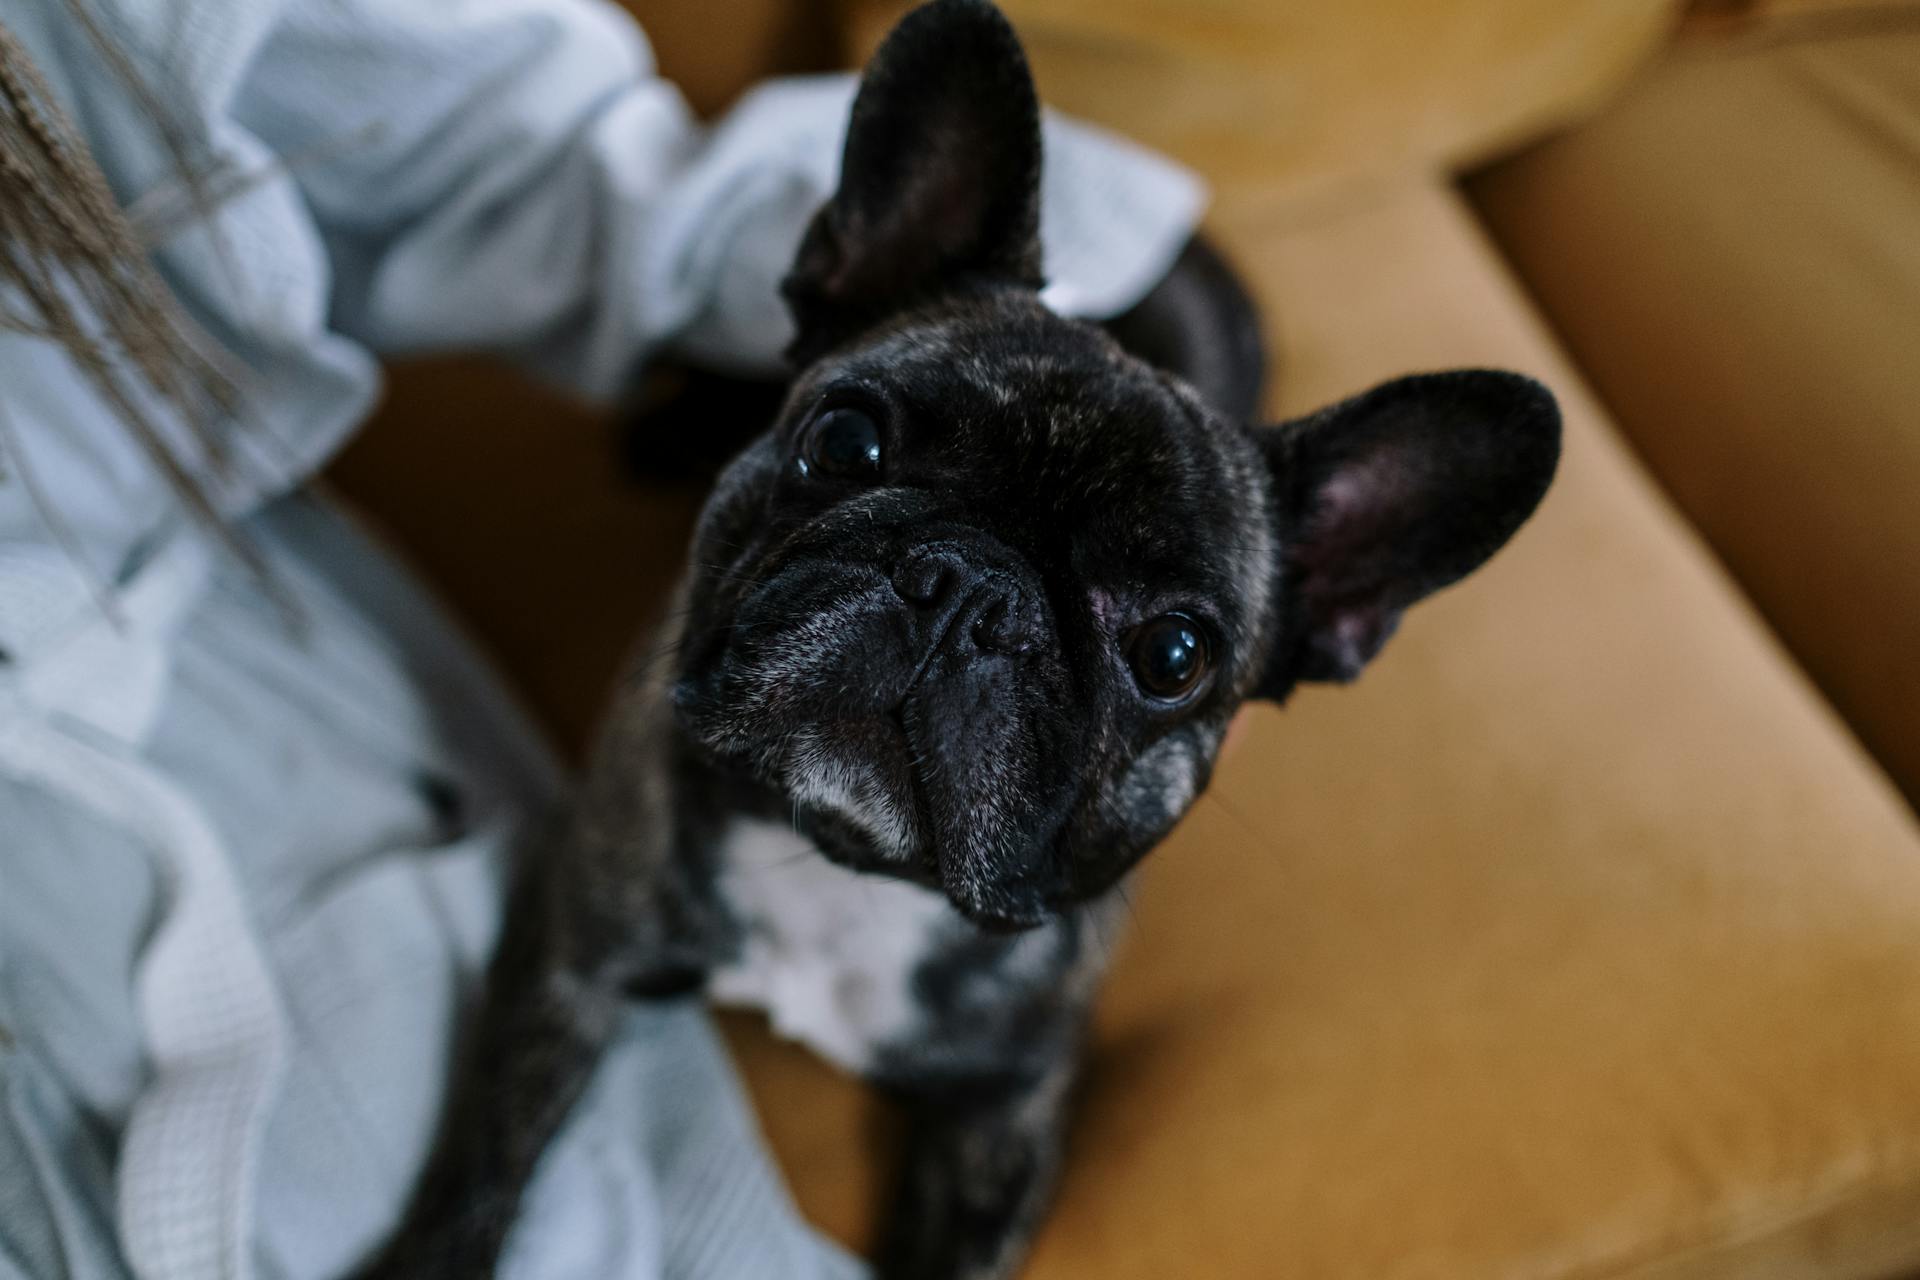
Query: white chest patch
x,y
828,953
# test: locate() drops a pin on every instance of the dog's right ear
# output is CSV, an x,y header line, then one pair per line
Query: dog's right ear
x,y
939,183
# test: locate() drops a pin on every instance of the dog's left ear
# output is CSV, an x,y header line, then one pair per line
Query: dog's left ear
x,y
1392,495
939,183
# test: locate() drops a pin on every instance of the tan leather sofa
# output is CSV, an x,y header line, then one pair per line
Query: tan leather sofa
x,y
1582,937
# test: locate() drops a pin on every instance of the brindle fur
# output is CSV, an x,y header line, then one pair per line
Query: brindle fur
x,y
986,741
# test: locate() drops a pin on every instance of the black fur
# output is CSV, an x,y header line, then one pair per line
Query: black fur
x,y
940,185
925,666
1197,324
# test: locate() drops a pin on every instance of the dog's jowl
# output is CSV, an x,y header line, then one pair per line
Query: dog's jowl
x,y
960,637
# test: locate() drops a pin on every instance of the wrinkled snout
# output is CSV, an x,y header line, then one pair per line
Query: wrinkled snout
x,y
963,602
918,706
985,720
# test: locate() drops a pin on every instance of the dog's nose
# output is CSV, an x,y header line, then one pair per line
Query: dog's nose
x,y
983,605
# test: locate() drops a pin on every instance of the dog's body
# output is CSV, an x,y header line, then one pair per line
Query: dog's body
x,y
960,639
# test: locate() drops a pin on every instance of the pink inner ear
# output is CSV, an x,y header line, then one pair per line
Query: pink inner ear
x,y
1348,499
1346,554
1363,504
1356,636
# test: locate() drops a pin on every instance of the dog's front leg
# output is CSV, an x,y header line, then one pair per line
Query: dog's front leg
x,y
979,1173
607,910
540,1033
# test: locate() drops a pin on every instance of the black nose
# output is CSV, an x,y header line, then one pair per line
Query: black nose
x,y
967,601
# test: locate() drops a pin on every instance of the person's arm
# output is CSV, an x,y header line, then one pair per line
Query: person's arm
x,y
513,175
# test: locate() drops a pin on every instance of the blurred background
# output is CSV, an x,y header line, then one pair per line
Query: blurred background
x,y
1582,938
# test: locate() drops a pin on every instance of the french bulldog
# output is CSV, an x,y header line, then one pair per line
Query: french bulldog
x,y
958,642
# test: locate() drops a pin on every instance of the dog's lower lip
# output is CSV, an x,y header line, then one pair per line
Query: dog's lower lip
x,y
854,857
990,923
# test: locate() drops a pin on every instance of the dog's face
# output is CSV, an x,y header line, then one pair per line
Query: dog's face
x,y
982,602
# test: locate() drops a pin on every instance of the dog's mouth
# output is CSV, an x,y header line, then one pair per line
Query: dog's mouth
x,y
860,776
861,842
898,751
857,785
893,745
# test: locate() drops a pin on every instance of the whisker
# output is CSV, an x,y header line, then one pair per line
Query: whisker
x,y
1244,822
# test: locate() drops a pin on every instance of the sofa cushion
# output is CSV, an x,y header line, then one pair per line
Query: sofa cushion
x,y
1577,939
1733,253
715,49
1314,98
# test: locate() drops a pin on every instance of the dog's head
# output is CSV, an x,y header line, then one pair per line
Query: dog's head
x,y
982,602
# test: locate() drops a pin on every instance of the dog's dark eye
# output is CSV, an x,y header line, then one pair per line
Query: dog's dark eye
x,y
843,443
1169,656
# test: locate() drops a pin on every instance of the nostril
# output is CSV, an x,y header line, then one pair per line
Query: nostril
x,y
925,581
987,625
997,630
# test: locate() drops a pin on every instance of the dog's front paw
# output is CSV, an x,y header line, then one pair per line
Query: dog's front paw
x,y
976,1182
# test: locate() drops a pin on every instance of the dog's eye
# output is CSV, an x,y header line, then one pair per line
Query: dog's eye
x,y
843,443
1169,655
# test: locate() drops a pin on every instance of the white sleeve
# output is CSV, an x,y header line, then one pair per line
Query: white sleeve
x,y
513,175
